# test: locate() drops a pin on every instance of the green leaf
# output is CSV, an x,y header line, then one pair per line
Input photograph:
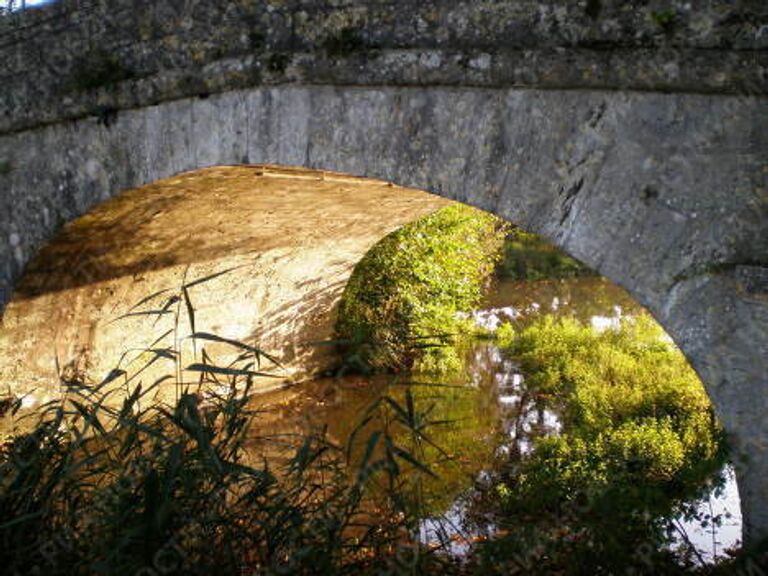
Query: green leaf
x,y
258,352
114,374
227,371
212,276
408,457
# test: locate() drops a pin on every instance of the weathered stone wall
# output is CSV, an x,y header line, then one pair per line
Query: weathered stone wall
x,y
95,57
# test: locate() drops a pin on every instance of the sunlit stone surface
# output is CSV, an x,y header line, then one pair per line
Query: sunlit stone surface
x,y
290,238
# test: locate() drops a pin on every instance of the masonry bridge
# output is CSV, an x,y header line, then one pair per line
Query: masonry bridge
x,y
635,137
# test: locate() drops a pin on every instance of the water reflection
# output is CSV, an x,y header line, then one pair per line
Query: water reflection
x,y
580,298
721,509
491,421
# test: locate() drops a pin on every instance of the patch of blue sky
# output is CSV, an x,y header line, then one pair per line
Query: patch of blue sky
x,y
13,5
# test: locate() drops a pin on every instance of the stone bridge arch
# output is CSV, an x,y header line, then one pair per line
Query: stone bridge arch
x,y
648,166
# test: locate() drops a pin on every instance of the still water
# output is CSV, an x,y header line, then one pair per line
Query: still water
x,y
486,420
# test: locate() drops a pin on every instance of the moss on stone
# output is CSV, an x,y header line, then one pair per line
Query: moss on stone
x,y
256,40
664,19
99,69
346,42
193,85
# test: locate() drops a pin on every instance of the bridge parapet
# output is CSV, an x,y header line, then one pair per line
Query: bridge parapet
x,y
96,57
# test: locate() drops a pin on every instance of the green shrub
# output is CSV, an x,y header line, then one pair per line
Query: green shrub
x,y
639,439
399,309
605,380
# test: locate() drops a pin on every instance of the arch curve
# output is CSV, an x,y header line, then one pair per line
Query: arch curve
x,y
664,194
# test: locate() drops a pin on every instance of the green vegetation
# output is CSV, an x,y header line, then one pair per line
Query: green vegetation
x,y
639,437
100,486
528,257
100,490
5,167
186,487
399,309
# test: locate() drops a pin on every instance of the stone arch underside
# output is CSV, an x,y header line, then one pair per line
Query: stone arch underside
x,y
265,251
665,194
